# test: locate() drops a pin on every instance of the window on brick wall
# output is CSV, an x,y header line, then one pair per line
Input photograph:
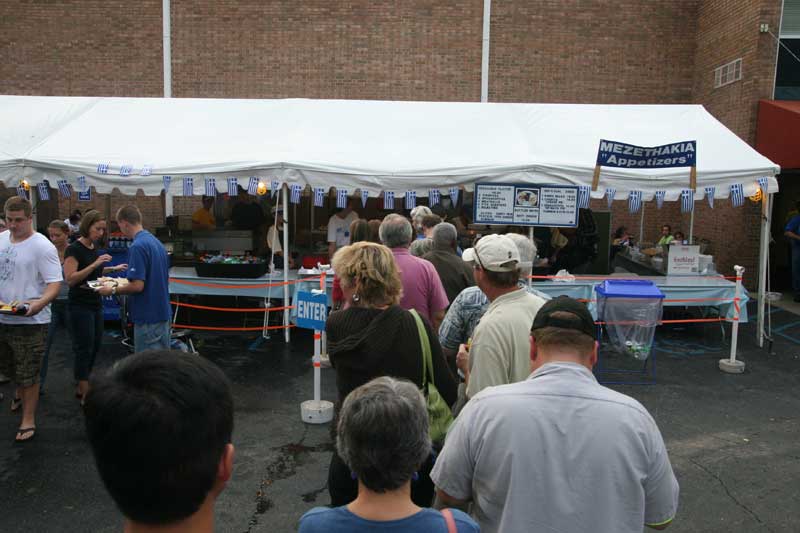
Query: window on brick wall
x,y
728,73
787,76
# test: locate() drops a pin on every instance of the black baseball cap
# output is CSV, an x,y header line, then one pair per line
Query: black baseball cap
x,y
578,317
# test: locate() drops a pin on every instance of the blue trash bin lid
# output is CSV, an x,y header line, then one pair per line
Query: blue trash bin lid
x,y
628,288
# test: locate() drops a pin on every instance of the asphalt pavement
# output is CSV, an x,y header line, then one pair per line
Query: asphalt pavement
x,y
732,439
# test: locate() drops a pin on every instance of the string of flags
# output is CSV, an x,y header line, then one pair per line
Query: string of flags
x,y
411,199
319,197
233,187
583,197
341,198
710,196
294,197
388,200
660,195
610,193
364,197
252,186
211,187
167,181
44,191
634,201
687,200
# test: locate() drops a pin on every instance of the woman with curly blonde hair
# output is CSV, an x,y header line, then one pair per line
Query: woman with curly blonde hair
x,y
375,337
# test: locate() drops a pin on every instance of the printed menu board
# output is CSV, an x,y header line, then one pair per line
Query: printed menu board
x,y
526,205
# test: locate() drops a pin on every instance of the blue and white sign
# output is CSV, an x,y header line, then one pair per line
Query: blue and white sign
x,y
312,310
85,196
621,155
526,205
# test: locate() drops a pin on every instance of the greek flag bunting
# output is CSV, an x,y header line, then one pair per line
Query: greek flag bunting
x,y
22,192
341,198
583,197
82,183
102,168
211,187
252,187
146,170
610,193
44,191
233,187
737,195
319,197
364,197
63,188
434,197
687,200
763,183
411,199
634,201
125,170
710,196
660,198
275,187
167,181
454,195
388,200
188,186
294,197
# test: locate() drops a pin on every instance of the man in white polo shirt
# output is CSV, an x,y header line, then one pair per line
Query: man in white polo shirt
x,y
558,451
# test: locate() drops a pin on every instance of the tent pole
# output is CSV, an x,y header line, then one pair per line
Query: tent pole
x,y
533,259
691,226
286,254
766,216
487,23
641,226
34,201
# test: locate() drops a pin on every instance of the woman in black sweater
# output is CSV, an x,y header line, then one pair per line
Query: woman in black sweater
x,y
375,337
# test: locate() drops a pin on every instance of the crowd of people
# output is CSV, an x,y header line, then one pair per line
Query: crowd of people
x,y
465,398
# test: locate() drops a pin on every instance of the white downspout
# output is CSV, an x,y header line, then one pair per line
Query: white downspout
x,y
167,43
487,22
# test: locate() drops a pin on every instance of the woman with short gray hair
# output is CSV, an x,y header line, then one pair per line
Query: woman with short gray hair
x,y
383,438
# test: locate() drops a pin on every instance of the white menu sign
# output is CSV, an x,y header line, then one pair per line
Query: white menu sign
x,y
526,205
683,259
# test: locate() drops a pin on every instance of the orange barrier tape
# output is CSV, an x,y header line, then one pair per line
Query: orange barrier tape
x,y
234,309
680,300
684,321
317,336
318,365
602,278
248,286
212,328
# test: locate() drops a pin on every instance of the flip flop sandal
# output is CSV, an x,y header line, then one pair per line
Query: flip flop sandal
x,y
25,431
16,403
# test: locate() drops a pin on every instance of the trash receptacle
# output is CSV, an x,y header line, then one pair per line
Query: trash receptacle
x,y
631,310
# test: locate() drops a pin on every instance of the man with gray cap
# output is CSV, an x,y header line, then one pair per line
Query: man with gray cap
x,y
498,352
455,274
558,451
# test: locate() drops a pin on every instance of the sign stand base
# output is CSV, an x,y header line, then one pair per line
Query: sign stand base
x,y
731,367
316,412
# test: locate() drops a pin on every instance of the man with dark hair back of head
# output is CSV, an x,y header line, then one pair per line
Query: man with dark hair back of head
x,y
591,458
422,288
148,283
160,425
497,352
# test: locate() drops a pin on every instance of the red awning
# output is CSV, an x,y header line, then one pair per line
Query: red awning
x,y
778,132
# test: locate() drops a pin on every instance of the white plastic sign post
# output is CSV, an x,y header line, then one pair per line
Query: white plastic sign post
x,y
683,260
732,365
312,308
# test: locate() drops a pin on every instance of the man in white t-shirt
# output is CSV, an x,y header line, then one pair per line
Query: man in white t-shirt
x,y
339,228
30,273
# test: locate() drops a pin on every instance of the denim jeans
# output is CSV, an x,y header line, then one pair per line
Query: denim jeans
x,y
796,268
59,321
154,336
86,327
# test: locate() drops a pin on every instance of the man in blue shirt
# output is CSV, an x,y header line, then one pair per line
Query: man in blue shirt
x,y
792,232
148,284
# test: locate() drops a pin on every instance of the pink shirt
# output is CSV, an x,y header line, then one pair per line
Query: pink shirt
x,y
422,288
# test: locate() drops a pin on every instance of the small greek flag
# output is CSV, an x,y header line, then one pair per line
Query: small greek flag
x,y
44,191
233,187
454,195
319,197
610,193
21,191
188,186
341,198
710,196
634,201
388,199
211,187
146,170
583,197
434,197
125,170
63,188
252,187
660,198
167,181
687,200
102,168
737,195
411,199
82,183
763,183
294,197
364,197
275,187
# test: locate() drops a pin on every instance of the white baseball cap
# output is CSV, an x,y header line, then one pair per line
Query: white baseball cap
x,y
494,252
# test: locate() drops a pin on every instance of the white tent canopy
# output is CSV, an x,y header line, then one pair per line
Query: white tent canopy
x,y
374,145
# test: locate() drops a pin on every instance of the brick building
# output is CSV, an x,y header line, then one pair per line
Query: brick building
x,y
577,51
